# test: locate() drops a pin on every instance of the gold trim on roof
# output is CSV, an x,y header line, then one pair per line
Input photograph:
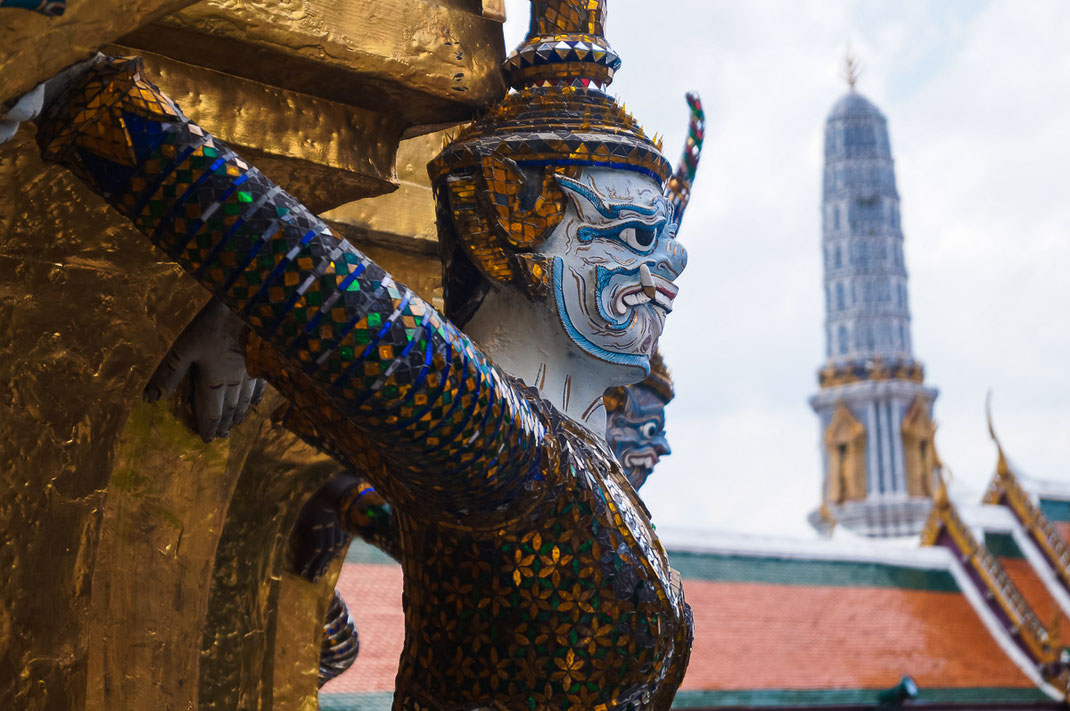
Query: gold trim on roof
x,y
1025,625
1006,489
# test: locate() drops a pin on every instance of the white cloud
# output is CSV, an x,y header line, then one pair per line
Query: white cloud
x,y
975,94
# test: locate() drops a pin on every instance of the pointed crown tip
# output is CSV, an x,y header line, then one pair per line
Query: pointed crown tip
x,y
566,46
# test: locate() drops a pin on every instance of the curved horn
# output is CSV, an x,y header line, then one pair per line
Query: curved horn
x,y
678,189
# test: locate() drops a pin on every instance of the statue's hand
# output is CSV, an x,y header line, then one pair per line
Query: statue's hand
x,y
210,351
37,100
26,108
318,536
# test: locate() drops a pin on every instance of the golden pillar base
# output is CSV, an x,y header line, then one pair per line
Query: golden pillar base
x,y
142,568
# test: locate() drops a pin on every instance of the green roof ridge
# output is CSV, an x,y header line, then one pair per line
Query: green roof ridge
x,y
363,552
1002,545
731,567
1056,509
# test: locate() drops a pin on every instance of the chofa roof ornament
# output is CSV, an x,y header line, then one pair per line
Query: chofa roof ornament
x,y
496,182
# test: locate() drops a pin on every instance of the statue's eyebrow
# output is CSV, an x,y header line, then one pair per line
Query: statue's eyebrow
x,y
605,208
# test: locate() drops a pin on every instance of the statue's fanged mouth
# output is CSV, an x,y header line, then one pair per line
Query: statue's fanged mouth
x,y
658,290
643,459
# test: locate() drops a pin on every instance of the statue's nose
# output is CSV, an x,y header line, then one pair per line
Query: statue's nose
x,y
671,260
661,446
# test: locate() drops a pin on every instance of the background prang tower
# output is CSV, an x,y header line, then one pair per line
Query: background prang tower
x,y
876,413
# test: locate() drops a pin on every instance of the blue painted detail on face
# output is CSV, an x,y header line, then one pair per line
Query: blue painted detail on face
x,y
603,277
639,361
636,236
608,210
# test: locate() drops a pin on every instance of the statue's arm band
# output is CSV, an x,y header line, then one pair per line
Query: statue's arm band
x,y
405,376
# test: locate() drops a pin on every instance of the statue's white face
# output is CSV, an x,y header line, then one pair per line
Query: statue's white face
x,y
614,262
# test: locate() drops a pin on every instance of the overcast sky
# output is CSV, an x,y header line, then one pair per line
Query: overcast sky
x,y
977,96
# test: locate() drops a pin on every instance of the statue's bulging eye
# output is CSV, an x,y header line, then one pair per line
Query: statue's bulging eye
x,y
649,429
639,238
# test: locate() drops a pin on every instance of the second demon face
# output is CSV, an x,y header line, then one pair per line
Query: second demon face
x,y
635,430
615,259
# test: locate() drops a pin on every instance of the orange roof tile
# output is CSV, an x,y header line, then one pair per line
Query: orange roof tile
x,y
761,635
1025,578
373,593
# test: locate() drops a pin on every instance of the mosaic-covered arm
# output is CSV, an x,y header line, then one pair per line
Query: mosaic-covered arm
x,y
366,515
452,428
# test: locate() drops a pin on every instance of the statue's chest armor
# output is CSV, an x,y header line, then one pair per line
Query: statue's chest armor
x,y
568,605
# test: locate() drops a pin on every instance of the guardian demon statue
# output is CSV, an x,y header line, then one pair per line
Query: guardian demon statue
x,y
533,577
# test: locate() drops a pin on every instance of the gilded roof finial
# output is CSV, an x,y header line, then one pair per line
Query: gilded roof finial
x,y
1002,468
852,68
943,475
941,499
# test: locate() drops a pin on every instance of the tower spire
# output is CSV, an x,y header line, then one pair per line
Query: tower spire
x,y
877,430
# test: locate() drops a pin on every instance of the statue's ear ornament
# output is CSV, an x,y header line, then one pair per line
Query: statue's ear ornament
x,y
526,206
614,399
678,189
536,270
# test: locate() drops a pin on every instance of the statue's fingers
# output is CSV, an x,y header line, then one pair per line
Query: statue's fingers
x,y
245,398
333,546
343,539
208,394
258,391
169,374
231,396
